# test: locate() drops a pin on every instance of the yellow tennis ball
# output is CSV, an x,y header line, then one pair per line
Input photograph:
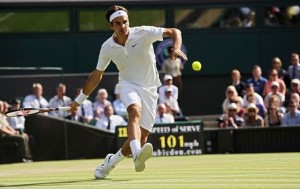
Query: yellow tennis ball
x,y
196,66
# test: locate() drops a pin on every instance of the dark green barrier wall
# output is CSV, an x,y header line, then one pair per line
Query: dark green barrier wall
x,y
57,139
219,52
253,140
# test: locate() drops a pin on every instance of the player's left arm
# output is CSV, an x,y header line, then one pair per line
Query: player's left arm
x,y
175,34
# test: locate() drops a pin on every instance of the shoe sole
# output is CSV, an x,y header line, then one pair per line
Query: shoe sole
x,y
143,157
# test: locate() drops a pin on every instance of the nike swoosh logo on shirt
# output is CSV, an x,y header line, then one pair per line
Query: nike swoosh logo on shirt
x,y
134,45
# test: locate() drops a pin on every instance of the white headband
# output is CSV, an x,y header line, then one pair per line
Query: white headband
x,y
116,14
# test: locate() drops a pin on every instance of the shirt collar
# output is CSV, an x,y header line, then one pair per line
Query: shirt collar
x,y
114,44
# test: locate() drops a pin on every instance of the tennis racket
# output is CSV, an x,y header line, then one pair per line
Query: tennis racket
x,y
31,111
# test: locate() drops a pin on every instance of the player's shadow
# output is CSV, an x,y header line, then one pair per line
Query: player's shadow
x,y
58,183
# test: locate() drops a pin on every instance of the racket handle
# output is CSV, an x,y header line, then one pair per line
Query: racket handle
x,y
64,108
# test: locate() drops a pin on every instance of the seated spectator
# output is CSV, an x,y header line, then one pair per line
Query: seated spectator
x,y
100,103
295,88
85,113
118,105
232,97
294,68
8,134
231,118
252,118
250,90
261,107
257,80
168,83
273,76
274,92
292,117
296,97
277,65
60,100
273,117
162,116
239,85
171,102
17,123
109,121
36,100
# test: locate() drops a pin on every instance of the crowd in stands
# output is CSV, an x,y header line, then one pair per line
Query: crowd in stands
x,y
262,102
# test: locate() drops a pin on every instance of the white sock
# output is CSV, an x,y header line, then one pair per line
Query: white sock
x,y
135,146
115,159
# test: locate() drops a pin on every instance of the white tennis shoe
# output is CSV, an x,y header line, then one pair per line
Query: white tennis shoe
x,y
103,170
141,156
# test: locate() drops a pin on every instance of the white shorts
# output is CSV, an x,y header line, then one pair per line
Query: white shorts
x,y
145,97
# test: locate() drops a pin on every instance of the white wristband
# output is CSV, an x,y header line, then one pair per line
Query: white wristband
x,y
81,98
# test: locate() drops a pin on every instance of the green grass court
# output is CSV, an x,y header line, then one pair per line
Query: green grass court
x,y
276,170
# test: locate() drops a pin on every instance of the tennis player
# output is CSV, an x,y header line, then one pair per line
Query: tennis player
x,y
132,51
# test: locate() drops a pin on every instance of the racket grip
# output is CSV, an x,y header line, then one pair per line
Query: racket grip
x,y
64,108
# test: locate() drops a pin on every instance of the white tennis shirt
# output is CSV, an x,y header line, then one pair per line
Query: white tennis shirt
x,y
135,61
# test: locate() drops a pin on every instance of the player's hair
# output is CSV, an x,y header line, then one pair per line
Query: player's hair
x,y
113,9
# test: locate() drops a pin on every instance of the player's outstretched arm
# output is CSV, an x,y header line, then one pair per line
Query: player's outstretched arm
x,y
175,34
92,82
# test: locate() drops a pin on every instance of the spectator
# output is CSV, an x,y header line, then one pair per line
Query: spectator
x,y
36,100
295,88
273,117
162,116
8,134
274,92
261,107
295,97
273,76
292,117
250,90
277,65
239,85
294,68
171,102
168,83
232,97
85,113
231,118
17,123
100,103
109,121
252,118
60,100
257,80
173,66
118,105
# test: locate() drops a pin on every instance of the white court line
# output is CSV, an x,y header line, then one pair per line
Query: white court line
x,y
3,18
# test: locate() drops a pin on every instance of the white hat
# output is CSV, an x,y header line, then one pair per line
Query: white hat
x,y
275,83
168,77
252,106
296,81
168,89
232,106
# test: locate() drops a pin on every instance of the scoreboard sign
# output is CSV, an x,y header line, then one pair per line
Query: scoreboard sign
x,y
175,139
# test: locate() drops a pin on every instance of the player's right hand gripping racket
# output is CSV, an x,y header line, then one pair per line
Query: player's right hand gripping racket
x,y
31,111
